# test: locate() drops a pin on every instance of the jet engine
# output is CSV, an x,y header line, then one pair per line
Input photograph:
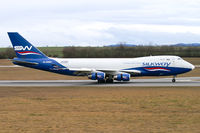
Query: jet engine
x,y
97,76
122,77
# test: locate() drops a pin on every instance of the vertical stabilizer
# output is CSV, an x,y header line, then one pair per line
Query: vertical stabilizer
x,y
23,48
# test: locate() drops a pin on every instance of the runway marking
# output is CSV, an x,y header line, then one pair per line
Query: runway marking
x,y
184,80
10,66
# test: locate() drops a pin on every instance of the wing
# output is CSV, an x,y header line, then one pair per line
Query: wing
x,y
81,71
85,71
114,72
132,72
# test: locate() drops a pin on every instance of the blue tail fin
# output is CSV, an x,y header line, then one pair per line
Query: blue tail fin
x,y
23,48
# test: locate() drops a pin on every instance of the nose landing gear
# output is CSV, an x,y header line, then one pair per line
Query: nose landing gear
x,y
174,79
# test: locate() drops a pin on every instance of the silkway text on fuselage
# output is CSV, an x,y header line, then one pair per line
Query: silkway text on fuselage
x,y
163,64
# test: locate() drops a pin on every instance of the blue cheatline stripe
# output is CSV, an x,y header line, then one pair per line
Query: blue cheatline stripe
x,y
165,71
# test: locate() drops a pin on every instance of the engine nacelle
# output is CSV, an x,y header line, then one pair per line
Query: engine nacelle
x,y
123,76
97,76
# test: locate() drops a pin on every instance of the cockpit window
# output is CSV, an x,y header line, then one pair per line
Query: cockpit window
x,y
179,59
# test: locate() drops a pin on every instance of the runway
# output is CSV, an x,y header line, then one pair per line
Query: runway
x,y
186,81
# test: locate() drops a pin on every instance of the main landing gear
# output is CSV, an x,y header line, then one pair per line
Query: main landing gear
x,y
109,80
101,81
106,81
174,79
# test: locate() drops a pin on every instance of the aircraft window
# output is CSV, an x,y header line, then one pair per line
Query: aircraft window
x,y
179,58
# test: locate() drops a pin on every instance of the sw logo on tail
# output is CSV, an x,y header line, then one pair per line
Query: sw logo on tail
x,y
19,48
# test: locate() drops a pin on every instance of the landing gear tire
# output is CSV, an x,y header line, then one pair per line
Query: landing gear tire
x,y
174,79
101,81
109,81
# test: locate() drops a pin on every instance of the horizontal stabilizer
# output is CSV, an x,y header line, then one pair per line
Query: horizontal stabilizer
x,y
24,62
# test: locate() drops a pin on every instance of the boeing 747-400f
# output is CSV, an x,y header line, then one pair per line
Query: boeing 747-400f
x,y
100,69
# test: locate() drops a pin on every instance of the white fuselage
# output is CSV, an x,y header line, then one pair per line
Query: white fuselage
x,y
125,63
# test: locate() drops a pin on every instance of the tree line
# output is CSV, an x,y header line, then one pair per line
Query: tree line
x,y
112,52
129,52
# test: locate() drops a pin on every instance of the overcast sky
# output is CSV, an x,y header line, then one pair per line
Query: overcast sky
x,y
100,22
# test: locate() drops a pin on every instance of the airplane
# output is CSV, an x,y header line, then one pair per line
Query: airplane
x,y
104,70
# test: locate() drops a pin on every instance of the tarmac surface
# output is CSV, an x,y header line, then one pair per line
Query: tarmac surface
x,y
186,81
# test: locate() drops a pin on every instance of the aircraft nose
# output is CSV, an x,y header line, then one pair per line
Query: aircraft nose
x,y
192,66
189,65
